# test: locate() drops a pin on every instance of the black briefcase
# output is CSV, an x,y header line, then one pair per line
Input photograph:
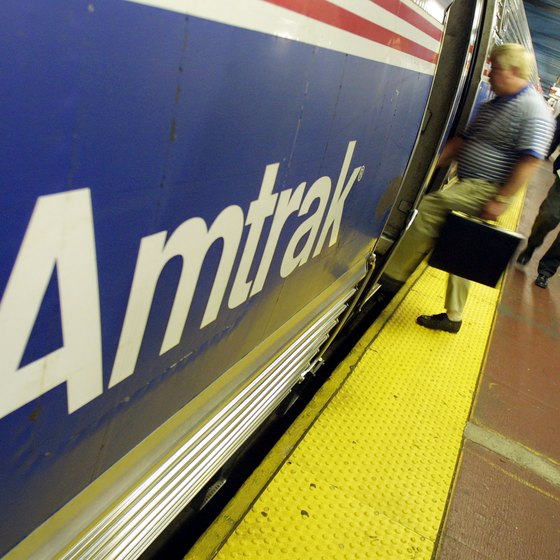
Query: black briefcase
x,y
474,249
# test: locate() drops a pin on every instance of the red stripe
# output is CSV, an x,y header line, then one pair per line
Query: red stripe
x,y
324,11
409,15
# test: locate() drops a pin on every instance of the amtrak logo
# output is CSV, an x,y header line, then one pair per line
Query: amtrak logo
x,y
60,236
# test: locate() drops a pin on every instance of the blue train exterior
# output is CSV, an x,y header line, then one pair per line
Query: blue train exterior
x,y
191,194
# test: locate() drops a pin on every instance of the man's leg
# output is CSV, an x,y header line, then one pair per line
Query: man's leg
x,y
455,299
465,196
549,263
547,219
456,296
418,240
458,288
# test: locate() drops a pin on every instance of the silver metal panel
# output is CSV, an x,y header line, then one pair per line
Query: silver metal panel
x,y
99,499
136,520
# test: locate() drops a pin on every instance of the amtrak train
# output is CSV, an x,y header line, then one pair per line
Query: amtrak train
x,y
197,198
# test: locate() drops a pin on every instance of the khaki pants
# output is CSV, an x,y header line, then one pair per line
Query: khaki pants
x,y
468,196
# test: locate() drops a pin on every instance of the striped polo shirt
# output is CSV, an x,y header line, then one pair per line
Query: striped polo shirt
x,y
505,128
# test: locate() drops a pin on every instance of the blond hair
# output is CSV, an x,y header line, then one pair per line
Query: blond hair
x,y
513,55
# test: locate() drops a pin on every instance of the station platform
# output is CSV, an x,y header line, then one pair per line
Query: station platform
x,y
422,444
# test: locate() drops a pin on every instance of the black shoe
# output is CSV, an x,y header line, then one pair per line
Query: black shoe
x,y
440,322
525,256
541,281
390,285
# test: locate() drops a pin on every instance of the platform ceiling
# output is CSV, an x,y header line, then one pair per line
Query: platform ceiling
x,y
544,21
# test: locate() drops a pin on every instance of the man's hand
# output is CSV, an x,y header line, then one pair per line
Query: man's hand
x,y
524,169
492,209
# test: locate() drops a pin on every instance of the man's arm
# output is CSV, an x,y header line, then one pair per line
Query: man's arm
x,y
520,176
450,151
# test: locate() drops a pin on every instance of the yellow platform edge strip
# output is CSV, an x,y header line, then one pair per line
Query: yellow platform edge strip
x,y
365,471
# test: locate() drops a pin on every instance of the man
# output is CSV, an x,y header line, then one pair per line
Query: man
x,y
547,219
496,155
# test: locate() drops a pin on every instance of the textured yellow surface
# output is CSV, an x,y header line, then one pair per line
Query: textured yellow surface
x,y
370,466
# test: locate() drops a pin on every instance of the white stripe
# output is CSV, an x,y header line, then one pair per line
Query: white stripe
x,y
372,12
263,17
514,451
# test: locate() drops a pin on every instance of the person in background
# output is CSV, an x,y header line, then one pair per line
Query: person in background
x,y
547,219
496,155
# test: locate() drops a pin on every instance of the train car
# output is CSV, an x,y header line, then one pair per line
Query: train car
x,y
197,197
